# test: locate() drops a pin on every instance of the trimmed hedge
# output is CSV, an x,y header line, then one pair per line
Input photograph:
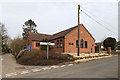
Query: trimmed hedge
x,y
35,57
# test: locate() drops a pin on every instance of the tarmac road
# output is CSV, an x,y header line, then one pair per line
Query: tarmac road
x,y
102,68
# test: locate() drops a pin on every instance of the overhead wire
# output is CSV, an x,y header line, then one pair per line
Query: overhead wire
x,y
97,17
98,22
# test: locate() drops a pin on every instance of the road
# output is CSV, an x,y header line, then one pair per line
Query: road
x,y
0,66
9,64
102,68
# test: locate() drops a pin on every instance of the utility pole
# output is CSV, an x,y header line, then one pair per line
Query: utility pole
x,y
78,28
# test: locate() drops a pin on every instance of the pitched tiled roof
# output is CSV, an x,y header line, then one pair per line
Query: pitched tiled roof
x,y
38,36
62,33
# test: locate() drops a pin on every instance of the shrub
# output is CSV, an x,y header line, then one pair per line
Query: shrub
x,y
35,57
113,52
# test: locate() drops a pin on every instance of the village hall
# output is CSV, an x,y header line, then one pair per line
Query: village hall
x,y
65,41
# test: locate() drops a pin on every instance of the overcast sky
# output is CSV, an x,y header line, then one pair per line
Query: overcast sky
x,y
52,17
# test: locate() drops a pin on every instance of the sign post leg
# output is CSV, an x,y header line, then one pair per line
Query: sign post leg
x,y
47,50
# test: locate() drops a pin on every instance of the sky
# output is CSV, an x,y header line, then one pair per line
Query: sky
x,y
54,16
118,21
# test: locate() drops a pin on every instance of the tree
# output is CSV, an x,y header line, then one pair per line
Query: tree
x,y
4,36
3,30
109,42
17,45
0,43
29,26
45,40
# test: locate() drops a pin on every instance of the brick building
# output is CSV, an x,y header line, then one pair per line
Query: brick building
x,y
65,41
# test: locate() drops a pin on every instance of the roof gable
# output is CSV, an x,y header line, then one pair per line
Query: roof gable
x,y
88,31
85,30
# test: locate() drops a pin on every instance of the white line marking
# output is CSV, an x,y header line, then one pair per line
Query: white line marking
x,y
25,72
70,64
45,68
49,68
0,77
63,66
11,74
36,70
55,66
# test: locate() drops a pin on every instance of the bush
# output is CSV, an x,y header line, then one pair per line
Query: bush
x,y
35,57
113,52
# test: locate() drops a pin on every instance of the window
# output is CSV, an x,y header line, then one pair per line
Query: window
x,y
76,43
85,44
61,44
69,43
81,43
72,43
37,44
57,43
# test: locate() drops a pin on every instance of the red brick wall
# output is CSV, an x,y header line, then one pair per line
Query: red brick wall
x,y
32,44
73,36
55,49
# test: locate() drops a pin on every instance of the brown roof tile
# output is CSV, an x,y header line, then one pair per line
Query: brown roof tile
x,y
38,36
62,33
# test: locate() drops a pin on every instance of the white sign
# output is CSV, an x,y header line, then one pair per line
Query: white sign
x,y
47,43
